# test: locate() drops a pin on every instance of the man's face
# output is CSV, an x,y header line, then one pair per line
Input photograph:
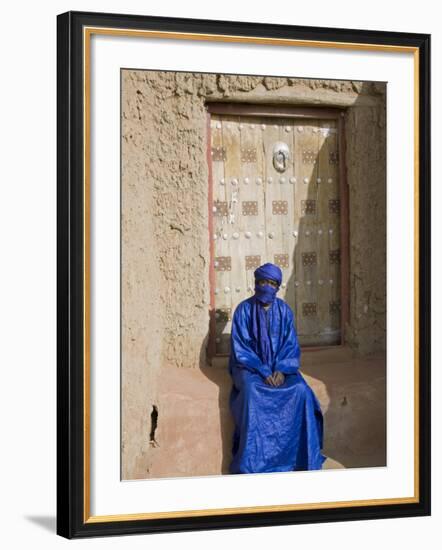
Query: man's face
x,y
270,282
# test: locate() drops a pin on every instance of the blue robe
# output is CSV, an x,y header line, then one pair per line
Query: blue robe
x,y
277,429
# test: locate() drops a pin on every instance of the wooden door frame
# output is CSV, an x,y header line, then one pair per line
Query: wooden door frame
x,y
286,111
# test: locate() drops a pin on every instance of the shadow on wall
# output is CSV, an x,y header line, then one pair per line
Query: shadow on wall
x,y
355,408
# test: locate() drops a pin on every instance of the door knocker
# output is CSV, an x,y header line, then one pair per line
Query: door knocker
x,y
281,156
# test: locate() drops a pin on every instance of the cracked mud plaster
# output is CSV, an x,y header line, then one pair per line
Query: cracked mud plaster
x,y
164,223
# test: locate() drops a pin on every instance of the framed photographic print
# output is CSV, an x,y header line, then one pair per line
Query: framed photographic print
x,y
243,274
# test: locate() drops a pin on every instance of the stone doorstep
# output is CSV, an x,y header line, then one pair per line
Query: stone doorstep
x,y
191,430
314,356
195,431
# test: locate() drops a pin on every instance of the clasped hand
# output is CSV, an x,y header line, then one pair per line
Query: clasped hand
x,y
275,379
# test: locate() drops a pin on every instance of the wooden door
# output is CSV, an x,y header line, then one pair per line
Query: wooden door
x,y
275,197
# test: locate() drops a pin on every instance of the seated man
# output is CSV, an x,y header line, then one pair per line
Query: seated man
x,y
278,419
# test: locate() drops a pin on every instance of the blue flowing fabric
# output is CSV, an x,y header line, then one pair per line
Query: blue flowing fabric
x,y
277,429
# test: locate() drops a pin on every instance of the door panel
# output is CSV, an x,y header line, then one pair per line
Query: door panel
x,y
279,209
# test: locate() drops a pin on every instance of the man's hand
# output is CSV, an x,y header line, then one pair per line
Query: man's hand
x,y
275,379
278,377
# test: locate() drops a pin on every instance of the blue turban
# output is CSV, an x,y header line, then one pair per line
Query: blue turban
x,y
267,293
269,271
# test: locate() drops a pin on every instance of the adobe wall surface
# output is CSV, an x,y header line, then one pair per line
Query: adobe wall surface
x,y
165,239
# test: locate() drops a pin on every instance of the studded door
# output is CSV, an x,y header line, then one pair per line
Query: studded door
x,y
275,189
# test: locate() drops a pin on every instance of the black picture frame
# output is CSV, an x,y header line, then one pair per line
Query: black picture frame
x,y
73,520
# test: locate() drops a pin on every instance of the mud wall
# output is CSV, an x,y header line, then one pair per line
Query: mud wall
x,y
165,239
